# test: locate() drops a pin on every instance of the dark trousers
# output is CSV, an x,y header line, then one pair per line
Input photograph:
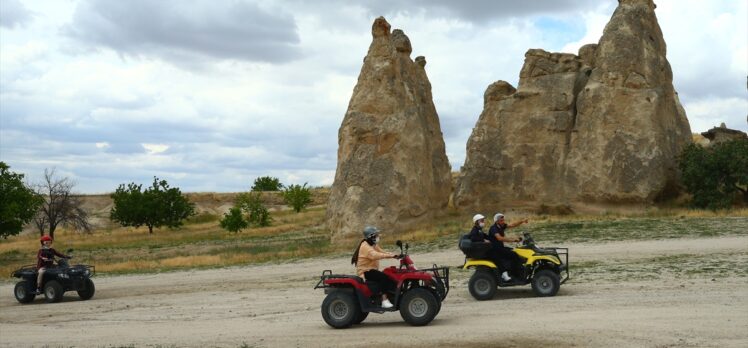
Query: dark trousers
x,y
379,282
509,260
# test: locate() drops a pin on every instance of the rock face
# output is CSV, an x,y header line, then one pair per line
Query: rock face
x,y
722,134
602,126
392,166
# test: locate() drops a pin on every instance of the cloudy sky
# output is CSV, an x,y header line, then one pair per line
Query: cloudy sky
x,y
210,94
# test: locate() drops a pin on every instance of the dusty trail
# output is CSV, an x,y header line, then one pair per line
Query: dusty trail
x,y
268,306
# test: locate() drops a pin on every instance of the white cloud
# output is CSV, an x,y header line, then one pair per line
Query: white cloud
x,y
122,108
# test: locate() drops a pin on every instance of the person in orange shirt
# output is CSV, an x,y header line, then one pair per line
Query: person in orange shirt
x,y
366,259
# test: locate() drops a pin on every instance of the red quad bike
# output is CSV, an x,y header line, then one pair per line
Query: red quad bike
x,y
418,295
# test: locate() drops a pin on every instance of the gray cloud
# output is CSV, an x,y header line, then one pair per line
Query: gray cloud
x,y
478,11
13,13
190,31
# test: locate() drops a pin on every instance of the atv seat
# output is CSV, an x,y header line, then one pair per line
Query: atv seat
x,y
474,250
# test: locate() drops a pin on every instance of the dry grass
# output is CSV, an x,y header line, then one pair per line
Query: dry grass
x,y
202,243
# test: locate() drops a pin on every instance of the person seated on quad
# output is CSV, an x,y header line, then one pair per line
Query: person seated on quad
x,y
508,258
45,259
477,234
366,259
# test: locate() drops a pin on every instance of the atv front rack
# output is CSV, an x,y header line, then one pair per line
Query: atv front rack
x,y
562,253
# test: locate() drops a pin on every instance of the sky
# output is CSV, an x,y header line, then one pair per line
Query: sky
x,y
209,95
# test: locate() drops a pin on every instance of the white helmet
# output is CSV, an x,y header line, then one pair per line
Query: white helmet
x,y
497,217
477,217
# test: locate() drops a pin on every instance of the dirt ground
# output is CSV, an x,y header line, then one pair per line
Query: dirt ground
x,y
275,306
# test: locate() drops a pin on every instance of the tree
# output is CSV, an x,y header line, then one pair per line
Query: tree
x,y
714,175
157,206
297,196
251,203
233,221
18,203
60,207
267,183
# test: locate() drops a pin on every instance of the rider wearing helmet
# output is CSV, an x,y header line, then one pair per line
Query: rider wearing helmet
x,y
477,234
507,258
44,259
366,259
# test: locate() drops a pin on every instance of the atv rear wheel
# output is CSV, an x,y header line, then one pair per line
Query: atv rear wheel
x,y
545,283
418,307
53,291
482,285
88,290
340,309
23,295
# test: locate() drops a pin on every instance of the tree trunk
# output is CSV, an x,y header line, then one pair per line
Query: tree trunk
x,y
150,229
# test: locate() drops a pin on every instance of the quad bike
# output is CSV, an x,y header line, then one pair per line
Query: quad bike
x,y
543,268
418,295
56,281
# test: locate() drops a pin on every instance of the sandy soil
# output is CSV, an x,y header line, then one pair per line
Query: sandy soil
x,y
269,306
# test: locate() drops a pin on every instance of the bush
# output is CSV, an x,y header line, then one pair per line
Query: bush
x,y
251,203
297,196
233,221
716,174
266,183
159,205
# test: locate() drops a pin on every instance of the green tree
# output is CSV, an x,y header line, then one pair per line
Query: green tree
x,y
251,203
157,206
716,174
233,221
297,196
18,203
267,183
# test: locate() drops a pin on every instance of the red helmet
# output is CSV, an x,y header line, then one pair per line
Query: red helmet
x,y
45,238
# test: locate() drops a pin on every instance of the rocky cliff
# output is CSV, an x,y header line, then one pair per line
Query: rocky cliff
x,y
604,125
392,166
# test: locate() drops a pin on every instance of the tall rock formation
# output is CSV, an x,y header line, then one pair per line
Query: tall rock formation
x,y
602,126
392,166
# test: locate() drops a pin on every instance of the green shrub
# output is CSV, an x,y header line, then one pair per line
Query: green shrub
x,y
297,196
233,221
251,204
715,175
267,183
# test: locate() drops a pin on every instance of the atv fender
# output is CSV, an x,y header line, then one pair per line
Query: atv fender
x,y
478,263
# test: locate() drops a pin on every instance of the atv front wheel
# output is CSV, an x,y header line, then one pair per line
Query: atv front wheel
x,y
23,295
482,285
88,290
545,283
340,309
53,291
418,307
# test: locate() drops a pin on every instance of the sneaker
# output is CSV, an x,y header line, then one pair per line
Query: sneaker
x,y
387,304
505,277
38,292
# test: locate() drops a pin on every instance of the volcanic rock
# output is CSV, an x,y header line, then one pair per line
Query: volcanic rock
x,y
602,126
721,134
392,167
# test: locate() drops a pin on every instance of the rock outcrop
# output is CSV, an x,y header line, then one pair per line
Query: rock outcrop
x,y
721,134
602,126
392,167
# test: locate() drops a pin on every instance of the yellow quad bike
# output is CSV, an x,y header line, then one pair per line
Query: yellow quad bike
x,y
542,267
